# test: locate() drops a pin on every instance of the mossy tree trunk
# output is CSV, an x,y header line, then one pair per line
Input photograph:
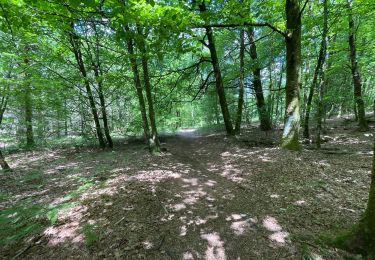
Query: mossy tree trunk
x,y
137,84
154,139
290,139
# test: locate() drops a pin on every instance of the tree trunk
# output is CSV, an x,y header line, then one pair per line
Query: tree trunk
x,y
318,68
264,119
278,97
242,78
29,118
138,86
78,56
4,165
96,65
103,108
355,73
290,139
320,108
218,77
271,98
369,218
154,139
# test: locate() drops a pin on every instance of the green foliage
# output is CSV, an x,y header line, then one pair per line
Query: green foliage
x,y
20,220
90,235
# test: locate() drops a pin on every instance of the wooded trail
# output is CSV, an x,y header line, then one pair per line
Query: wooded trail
x,y
208,197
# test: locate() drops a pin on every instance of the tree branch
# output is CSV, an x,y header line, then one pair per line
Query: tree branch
x,y
231,25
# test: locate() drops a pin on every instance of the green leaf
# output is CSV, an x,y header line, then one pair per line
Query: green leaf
x,y
52,216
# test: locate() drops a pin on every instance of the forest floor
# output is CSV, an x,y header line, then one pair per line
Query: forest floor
x,y
207,197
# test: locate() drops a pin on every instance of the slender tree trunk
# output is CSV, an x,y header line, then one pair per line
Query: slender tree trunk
x,y
264,119
318,68
154,139
355,110
218,77
271,98
278,94
96,65
355,72
242,83
66,117
103,106
290,139
4,165
320,108
138,86
78,55
29,118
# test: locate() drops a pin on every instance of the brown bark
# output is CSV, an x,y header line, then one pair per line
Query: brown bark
x,y
4,165
264,119
81,66
218,77
103,106
355,72
369,219
154,139
99,79
242,83
318,68
30,142
290,139
138,85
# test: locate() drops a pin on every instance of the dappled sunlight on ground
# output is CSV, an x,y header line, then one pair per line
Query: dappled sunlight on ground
x,y
69,230
240,223
208,197
278,236
215,248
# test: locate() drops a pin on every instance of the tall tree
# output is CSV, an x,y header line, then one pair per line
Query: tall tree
x,y
265,123
98,72
3,104
317,71
242,83
154,139
29,116
360,104
218,77
290,138
137,83
76,49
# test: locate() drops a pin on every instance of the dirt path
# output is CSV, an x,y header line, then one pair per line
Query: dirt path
x,y
208,197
